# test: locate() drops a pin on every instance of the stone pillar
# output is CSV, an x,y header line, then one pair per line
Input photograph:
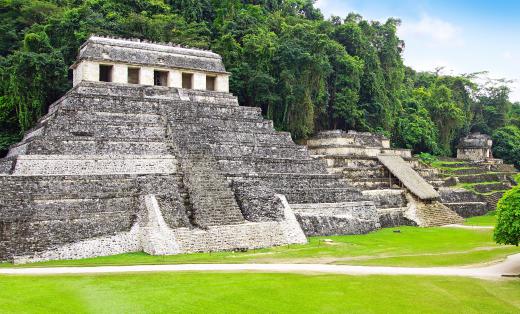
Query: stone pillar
x,y
146,76
175,79
222,83
77,74
199,81
120,73
90,71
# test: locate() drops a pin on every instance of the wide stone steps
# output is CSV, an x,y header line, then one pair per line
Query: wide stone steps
x,y
373,183
469,209
364,173
486,177
349,161
319,195
113,118
233,166
73,187
69,209
108,104
196,124
454,195
106,131
387,198
436,214
212,200
91,146
336,218
226,150
492,199
303,181
486,188
189,111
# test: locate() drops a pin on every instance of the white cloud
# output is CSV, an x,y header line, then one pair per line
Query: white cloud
x,y
430,28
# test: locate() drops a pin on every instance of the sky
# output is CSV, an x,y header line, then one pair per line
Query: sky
x,y
460,35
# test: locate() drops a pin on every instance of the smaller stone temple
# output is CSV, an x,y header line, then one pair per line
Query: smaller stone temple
x,y
475,147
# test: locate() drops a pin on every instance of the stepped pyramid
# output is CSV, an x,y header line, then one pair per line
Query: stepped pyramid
x,y
403,191
150,152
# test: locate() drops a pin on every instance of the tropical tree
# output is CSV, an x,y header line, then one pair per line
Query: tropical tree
x,y
507,230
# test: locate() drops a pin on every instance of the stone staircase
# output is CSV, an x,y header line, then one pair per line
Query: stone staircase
x,y
212,201
246,148
436,214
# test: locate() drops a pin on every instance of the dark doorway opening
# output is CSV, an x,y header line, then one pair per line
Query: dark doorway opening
x,y
105,73
133,75
211,83
160,78
187,79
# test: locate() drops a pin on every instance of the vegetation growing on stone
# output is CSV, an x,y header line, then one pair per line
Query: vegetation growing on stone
x,y
305,72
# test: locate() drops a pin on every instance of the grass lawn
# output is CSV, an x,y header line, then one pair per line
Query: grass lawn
x,y
421,247
486,220
255,293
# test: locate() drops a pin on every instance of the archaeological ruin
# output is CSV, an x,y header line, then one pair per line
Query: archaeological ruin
x,y
408,191
150,152
475,147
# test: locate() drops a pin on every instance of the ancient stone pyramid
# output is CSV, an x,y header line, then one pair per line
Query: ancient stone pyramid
x,y
117,167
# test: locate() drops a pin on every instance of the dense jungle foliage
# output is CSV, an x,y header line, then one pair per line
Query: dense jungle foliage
x,y
305,72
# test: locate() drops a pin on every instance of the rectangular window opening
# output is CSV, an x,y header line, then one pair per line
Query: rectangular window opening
x,y
211,83
160,78
133,75
187,79
105,73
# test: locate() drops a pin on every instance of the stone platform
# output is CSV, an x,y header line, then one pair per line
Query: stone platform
x,y
116,168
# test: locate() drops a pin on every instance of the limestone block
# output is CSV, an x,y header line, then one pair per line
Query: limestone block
x,y
222,84
199,81
120,73
146,76
91,71
77,74
175,79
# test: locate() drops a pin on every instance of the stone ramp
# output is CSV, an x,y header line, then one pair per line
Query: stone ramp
x,y
409,177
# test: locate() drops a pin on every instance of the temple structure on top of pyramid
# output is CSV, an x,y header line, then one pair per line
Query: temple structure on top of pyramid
x,y
150,152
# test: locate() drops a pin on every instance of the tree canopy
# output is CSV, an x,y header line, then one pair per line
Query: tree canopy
x,y
507,230
305,72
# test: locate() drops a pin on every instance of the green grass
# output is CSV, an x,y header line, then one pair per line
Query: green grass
x,y
421,247
255,293
517,178
486,220
448,166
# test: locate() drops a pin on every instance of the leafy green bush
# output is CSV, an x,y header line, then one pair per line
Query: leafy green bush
x,y
427,158
507,230
506,144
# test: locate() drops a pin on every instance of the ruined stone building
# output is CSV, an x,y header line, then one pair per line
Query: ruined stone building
x,y
149,152
408,191
402,190
475,147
